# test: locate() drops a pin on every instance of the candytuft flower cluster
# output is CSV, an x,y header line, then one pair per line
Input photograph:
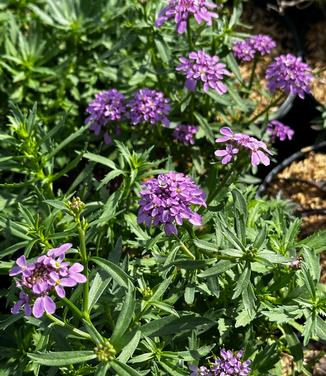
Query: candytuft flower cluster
x,y
257,45
181,10
107,107
236,142
149,106
289,74
168,200
199,66
279,130
185,134
146,106
39,280
229,363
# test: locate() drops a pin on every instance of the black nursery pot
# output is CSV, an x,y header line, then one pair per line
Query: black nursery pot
x,y
299,155
309,194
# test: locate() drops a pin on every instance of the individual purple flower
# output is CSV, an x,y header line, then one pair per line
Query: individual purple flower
x,y
181,10
149,106
238,141
168,200
107,107
23,301
229,363
279,130
185,134
199,66
255,45
22,267
60,282
39,279
199,371
74,273
289,74
43,304
227,154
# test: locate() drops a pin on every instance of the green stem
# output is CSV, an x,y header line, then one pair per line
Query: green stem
x,y
266,109
83,252
69,327
72,306
252,75
185,248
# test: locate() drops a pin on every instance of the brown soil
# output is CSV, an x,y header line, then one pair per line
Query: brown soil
x,y
314,360
304,183
316,57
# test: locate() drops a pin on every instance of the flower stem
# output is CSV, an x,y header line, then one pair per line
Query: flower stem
x,y
72,306
83,252
185,249
266,109
67,326
252,75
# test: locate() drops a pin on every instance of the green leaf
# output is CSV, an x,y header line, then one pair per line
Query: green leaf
x,y
206,127
172,325
125,315
113,270
237,99
172,369
162,49
67,141
130,348
294,345
64,358
248,299
93,332
260,238
124,369
99,159
271,257
224,100
243,281
164,307
102,369
316,241
207,246
232,64
98,286
220,267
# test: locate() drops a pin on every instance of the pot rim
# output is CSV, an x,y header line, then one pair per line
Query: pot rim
x,y
285,163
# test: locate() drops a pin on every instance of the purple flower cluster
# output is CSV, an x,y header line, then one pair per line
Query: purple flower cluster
x,y
279,130
168,199
185,133
205,68
238,141
49,273
149,106
107,107
181,10
256,45
110,107
289,74
229,363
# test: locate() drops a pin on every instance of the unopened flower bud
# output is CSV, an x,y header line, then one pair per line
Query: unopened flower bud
x,y
76,205
105,352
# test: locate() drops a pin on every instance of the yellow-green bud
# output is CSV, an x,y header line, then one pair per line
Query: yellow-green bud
x,y
105,352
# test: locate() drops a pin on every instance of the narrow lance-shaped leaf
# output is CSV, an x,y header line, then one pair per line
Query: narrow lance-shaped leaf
x,y
63,358
125,315
113,270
